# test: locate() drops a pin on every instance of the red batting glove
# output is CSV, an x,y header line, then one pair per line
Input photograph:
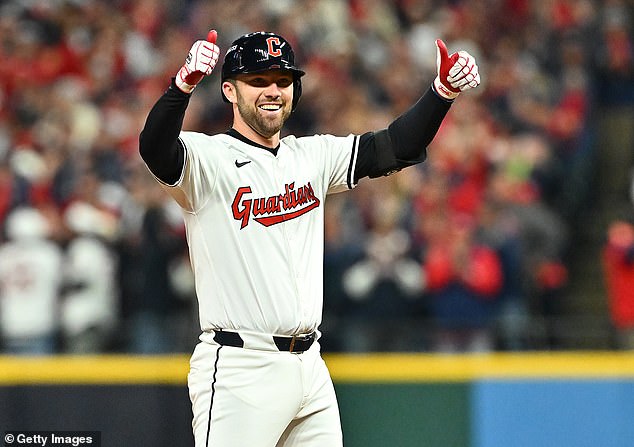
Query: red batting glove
x,y
200,62
456,73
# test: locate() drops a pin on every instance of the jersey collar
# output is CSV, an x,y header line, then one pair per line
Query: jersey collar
x,y
235,134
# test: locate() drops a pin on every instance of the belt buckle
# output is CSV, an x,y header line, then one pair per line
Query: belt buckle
x,y
295,338
303,338
292,345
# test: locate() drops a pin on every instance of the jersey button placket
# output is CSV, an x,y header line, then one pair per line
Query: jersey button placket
x,y
281,179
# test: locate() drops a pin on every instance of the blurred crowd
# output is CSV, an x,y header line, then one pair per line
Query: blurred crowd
x,y
460,253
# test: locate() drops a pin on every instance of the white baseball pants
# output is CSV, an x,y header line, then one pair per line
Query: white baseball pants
x,y
262,398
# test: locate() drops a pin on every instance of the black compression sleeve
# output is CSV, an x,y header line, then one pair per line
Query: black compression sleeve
x,y
412,132
158,143
405,140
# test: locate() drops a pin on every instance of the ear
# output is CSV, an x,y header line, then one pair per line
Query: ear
x,y
229,91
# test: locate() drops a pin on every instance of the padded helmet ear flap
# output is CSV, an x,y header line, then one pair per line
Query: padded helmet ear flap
x,y
297,92
261,51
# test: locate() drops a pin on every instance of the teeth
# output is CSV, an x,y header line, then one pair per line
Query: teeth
x,y
270,107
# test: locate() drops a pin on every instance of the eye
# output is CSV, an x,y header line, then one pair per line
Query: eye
x,y
284,82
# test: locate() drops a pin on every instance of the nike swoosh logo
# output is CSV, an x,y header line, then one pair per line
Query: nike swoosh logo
x,y
239,164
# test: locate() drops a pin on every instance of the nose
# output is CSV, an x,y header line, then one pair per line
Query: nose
x,y
272,91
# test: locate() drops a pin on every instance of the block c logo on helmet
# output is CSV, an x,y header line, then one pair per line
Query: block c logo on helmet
x,y
274,46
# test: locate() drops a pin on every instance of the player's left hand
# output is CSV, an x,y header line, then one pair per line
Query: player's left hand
x,y
456,72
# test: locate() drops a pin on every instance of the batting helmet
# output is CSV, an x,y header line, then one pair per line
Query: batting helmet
x,y
261,51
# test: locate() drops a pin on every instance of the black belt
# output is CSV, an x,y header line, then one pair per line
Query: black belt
x,y
295,344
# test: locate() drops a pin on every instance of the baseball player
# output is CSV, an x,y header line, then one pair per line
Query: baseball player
x,y
253,205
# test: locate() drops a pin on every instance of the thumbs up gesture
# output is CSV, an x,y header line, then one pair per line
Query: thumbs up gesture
x,y
200,62
456,72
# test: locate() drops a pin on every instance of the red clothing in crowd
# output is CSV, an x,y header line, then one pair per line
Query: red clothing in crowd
x,y
482,274
618,262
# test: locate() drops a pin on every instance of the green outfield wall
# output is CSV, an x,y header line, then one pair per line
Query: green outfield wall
x,y
545,399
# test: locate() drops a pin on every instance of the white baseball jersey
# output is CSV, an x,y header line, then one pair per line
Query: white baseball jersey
x,y
30,280
254,225
91,263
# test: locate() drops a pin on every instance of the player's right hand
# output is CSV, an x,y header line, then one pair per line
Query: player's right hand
x,y
200,62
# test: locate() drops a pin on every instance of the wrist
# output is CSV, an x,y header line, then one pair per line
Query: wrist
x,y
442,91
181,83
184,87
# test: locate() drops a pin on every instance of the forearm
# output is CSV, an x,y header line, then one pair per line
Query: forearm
x,y
404,142
158,142
413,131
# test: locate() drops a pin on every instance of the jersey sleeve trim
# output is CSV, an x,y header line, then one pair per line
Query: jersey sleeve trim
x,y
353,162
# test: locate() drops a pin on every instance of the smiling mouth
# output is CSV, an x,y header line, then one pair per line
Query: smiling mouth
x,y
270,107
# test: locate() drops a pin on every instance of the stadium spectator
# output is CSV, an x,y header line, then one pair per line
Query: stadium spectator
x,y
384,285
31,272
464,280
90,300
618,267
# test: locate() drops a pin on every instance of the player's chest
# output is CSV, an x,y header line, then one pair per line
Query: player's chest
x,y
264,171
269,190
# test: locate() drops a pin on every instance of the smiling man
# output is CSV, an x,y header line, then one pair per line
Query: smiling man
x,y
253,205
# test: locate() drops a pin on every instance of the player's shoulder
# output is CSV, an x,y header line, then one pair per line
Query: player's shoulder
x,y
198,142
193,136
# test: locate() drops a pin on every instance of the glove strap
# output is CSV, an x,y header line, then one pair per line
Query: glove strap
x,y
443,91
180,81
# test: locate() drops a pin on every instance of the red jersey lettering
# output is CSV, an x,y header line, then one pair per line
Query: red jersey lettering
x,y
272,210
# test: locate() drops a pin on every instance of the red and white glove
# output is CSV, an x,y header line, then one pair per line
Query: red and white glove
x,y
456,73
200,62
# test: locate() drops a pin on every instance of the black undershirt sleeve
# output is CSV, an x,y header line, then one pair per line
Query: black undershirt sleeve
x,y
159,145
404,142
